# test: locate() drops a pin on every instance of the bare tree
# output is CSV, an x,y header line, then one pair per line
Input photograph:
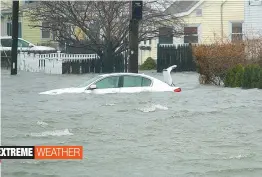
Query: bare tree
x,y
105,24
5,4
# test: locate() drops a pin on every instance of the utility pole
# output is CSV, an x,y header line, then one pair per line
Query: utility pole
x,y
136,16
14,37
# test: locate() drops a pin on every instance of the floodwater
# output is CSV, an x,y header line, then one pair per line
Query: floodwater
x,y
203,131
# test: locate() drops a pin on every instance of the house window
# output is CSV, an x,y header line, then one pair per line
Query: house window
x,y
149,41
45,31
190,35
145,42
166,35
6,42
9,29
236,34
54,35
255,2
199,12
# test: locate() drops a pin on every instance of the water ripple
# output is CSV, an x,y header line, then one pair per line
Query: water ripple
x,y
64,132
204,131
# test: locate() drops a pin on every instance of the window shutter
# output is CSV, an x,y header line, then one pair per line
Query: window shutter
x,y
19,30
9,29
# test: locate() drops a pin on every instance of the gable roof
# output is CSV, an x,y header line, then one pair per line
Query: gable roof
x,y
183,7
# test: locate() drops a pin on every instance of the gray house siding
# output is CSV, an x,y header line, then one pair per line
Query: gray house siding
x,y
253,19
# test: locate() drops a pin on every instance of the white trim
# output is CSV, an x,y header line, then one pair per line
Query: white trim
x,y
199,31
230,28
191,10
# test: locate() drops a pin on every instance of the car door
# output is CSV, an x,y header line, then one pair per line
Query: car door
x,y
106,85
135,84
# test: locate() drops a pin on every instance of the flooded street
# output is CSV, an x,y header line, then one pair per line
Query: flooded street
x,y
202,131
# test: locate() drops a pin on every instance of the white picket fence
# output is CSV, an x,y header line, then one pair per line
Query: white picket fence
x,y
48,63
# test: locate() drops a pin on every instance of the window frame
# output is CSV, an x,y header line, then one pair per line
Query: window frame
x,y
151,84
43,30
119,82
142,78
10,40
234,33
166,35
10,31
188,35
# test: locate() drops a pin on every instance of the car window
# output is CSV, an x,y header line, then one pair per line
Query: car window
x,y
108,82
88,82
22,43
6,42
146,82
132,81
136,81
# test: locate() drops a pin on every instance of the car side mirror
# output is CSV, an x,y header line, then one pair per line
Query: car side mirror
x,y
31,45
92,87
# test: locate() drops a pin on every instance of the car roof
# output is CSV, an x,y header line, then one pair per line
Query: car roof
x,y
122,74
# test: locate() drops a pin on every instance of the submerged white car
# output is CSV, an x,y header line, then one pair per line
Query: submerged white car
x,y
23,45
123,83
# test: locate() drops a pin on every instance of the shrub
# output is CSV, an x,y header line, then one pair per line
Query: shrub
x,y
239,70
234,76
245,77
229,79
255,71
215,60
246,83
251,77
149,64
260,79
218,62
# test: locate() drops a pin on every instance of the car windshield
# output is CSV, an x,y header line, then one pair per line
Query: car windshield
x,y
89,81
22,43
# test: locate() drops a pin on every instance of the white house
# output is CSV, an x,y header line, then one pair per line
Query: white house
x,y
253,19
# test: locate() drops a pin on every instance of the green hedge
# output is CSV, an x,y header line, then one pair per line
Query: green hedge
x,y
149,64
246,77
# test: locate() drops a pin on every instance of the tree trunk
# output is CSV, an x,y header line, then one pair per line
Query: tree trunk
x,y
108,61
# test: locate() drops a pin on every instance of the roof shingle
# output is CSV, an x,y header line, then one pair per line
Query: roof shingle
x,y
181,6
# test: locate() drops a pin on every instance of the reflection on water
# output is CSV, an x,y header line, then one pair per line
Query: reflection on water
x,y
202,131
